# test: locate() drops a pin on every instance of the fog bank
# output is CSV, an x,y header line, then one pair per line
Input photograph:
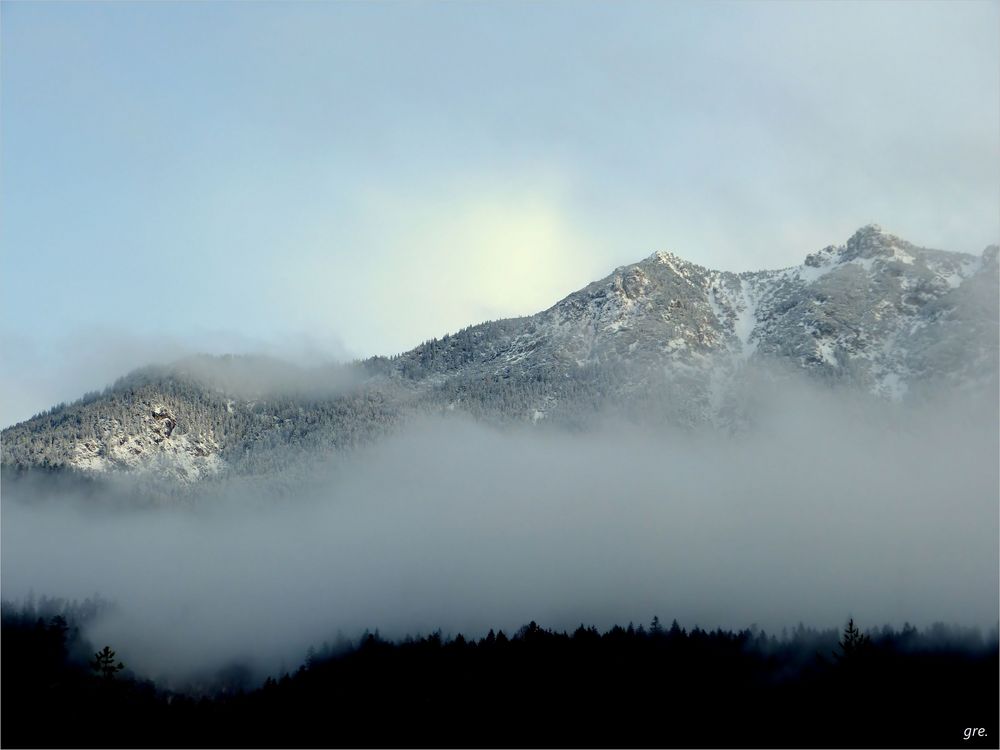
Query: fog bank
x,y
826,508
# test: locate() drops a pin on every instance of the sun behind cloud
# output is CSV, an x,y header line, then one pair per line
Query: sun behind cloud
x,y
439,259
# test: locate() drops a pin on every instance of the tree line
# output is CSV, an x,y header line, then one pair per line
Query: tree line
x,y
647,685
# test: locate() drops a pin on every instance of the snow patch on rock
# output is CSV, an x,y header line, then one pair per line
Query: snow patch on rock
x,y
158,447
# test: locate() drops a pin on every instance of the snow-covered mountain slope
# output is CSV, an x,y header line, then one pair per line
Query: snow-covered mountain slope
x,y
663,339
877,313
868,311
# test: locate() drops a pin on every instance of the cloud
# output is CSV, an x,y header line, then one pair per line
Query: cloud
x,y
39,372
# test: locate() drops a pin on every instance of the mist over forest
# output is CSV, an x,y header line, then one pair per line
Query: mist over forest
x,y
829,505
500,374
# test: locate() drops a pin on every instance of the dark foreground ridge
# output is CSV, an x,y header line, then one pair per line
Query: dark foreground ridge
x,y
649,686
627,687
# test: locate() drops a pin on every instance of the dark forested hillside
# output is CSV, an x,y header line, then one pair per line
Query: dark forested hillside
x,y
629,686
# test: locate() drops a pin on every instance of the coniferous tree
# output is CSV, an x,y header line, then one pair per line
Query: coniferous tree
x,y
852,644
104,663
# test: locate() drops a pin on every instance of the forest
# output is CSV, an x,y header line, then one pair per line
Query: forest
x,y
652,685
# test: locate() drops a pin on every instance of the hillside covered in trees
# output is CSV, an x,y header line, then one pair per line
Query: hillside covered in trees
x,y
654,685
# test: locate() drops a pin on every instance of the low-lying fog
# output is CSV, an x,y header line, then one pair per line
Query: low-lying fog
x,y
826,508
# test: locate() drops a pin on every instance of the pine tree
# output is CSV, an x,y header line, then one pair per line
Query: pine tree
x,y
104,663
853,642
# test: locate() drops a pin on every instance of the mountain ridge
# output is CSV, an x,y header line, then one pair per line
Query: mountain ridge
x,y
664,340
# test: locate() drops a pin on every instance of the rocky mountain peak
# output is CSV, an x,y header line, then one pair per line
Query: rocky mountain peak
x,y
870,241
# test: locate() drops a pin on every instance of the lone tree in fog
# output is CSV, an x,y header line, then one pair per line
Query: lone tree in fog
x,y
104,663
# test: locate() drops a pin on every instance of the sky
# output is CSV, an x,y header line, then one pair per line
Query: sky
x,y
338,180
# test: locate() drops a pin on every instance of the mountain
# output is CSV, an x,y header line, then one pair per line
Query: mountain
x,y
662,340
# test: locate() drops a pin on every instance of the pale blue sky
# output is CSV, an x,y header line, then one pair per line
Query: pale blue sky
x,y
353,178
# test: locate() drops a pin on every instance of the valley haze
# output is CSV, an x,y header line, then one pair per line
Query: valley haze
x,y
724,449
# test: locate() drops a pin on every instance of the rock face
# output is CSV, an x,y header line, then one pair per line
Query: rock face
x,y
871,311
663,339
153,448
